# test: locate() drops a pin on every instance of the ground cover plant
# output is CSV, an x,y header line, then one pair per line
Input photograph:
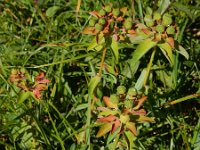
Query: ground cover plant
x,y
99,74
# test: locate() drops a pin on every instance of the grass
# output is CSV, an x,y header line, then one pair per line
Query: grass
x,y
46,36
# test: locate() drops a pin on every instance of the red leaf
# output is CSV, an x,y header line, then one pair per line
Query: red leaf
x,y
108,103
116,125
107,119
40,78
90,30
140,102
95,14
37,93
170,41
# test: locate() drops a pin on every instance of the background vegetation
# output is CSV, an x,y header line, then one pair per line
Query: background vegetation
x,y
46,36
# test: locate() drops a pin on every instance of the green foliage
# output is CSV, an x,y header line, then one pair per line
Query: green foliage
x,y
63,89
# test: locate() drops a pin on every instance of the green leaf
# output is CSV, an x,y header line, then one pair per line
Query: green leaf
x,y
183,8
97,43
81,106
130,136
164,6
111,137
52,10
23,96
105,128
167,51
140,82
183,52
115,49
141,50
93,84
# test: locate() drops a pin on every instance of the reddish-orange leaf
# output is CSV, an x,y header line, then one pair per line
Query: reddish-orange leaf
x,y
108,103
146,31
104,129
116,125
95,13
131,126
90,30
139,112
140,102
40,78
107,119
170,41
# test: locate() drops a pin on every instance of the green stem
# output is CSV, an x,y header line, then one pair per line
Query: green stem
x,y
149,66
184,98
176,61
140,10
116,141
102,61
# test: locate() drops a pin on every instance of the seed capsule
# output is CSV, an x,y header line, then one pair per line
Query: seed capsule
x,y
148,20
128,103
114,98
166,20
112,23
170,30
121,90
132,92
92,22
156,16
102,12
99,27
108,8
116,12
160,28
128,25
102,21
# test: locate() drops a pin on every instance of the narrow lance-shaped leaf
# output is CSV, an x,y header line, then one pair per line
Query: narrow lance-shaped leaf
x,y
93,84
115,49
52,10
141,50
130,136
183,52
167,51
23,96
131,126
104,129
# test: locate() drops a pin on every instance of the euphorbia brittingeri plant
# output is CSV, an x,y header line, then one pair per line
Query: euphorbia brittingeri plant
x,y
112,26
22,80
122,114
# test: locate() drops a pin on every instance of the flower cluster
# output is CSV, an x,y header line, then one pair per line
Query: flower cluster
x,y
122,111
111,22
22,79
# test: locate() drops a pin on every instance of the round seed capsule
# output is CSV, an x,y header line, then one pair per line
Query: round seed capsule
x,y
150,23
160,28
128,25
148,20
108,9
128,103
170,30
121,90
166,20
112,23
156,16
116,12
102,12
114,98
132,92
92,22
102,21
99,27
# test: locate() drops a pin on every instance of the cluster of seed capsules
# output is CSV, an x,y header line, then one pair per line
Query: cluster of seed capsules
x,y
111,20
127,97
161,24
